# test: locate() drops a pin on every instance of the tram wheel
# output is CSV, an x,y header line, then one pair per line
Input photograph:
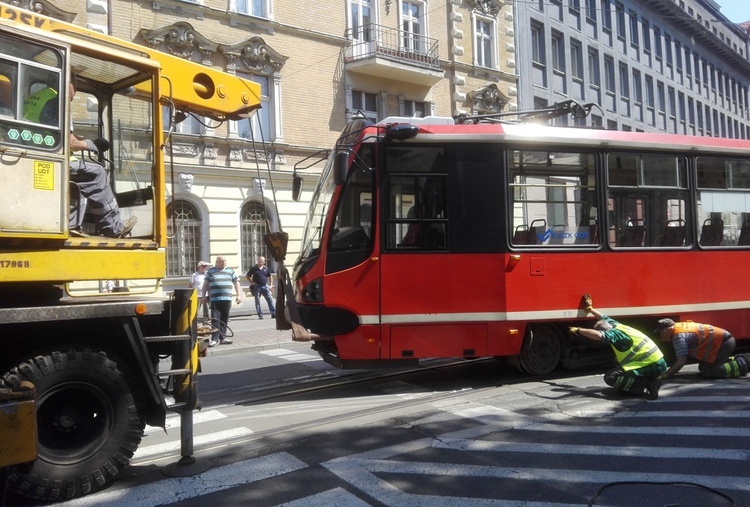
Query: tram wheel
x,y
541,350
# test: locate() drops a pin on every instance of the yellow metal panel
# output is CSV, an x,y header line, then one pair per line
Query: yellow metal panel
x,y
17,432
31,194
81,264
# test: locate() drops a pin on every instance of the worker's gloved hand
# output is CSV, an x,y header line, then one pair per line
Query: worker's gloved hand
x,y
573,331
588,302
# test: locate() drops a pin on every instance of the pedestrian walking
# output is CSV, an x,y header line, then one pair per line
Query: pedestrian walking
x,y
217,287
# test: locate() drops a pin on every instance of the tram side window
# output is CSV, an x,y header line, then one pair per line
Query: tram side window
x,y
416,211
647,201
723,202
552,199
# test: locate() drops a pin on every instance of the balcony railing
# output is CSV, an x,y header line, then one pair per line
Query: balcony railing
x,y
371,40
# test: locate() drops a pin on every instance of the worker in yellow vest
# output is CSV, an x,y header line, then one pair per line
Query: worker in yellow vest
x,y
640,360
42,106
712,346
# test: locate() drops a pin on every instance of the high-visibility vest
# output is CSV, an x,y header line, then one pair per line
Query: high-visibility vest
x,y
34,104
642,352
710,339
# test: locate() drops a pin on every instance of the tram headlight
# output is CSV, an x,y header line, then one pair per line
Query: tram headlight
x,y
313,291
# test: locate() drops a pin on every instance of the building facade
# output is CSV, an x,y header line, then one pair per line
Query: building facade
x,y
318,64
649,65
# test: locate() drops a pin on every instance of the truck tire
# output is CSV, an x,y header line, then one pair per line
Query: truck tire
x,y
88,423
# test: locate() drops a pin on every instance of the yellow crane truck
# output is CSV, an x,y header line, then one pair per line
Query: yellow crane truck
x,y
95,360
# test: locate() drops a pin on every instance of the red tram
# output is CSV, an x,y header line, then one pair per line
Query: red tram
x,y
427,238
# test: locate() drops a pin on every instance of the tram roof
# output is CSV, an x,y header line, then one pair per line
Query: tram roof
x,y
432,129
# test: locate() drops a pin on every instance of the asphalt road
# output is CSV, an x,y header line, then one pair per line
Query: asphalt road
x,y
281,427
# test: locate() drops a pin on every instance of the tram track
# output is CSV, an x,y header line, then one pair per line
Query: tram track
x,y
285,432
281,390
336,382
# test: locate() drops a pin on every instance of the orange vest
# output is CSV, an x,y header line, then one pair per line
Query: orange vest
x,y
710,339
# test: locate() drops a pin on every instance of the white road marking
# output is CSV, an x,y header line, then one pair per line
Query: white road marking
x,y
594,450
184,488
202,416
511,420
198,441
290,355
359,474
363,474
338,497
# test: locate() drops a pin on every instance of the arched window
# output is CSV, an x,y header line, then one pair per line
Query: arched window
x,y
254,225
184,243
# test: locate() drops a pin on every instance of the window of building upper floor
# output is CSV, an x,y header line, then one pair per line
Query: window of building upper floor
x,y
413,22
607,15
260,125
537,44
620,14
485,46
360,17
557,42
257,8
184,123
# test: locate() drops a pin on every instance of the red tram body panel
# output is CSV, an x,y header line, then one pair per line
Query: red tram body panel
x,y
515,223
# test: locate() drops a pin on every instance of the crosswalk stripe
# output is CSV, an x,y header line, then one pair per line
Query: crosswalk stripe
x,y
511,420
174,490
358,474
594,450
364,475
640,430
198,441
337,496
547,474
744,414
173,422
290,355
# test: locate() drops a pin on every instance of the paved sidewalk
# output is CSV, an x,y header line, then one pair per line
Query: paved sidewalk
x,y
250,332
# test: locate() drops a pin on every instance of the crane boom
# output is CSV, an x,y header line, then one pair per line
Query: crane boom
x,y
192,87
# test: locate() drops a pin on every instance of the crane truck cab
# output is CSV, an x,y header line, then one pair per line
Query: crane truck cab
x,y
97,361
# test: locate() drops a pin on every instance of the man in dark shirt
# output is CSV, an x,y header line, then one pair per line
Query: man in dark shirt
x,y
260,279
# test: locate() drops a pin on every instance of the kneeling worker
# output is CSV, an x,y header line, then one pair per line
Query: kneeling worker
x,y
712,346
641,362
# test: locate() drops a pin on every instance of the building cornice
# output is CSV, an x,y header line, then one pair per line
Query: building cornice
x,y
702,36
43,7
